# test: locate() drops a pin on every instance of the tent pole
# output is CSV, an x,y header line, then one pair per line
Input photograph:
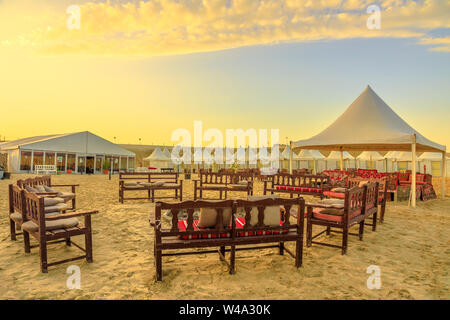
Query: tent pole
x,y
341,160
443,174
290,157
413,172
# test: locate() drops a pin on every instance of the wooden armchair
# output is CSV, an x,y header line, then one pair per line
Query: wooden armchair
x,y
48,229
16,210
353,213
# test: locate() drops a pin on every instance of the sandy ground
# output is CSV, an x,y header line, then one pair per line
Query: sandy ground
x,y
412,250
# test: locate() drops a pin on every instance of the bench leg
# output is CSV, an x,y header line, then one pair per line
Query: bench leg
x,y
281,247
12,227
232,259
382,210
374,221
299,252
344,239
361,230
328,231
195,193
26,241
158,264
43,255
309,228
68,242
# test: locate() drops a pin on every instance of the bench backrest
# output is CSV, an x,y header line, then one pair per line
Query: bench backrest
x,y
215,178
305,180
33,182
150,176
191,206
372,194
337,176
34,209
354,202
16,199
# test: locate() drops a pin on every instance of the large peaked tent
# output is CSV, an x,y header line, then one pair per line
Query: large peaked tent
x,y
158,159
369,124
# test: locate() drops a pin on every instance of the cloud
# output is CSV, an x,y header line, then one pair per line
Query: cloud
x,y
163,27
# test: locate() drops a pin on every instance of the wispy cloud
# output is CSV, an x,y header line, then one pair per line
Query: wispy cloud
x,y
162,27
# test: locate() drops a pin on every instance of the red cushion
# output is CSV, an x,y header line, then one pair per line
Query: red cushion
x,y
240,222
329,217
300,189
331,194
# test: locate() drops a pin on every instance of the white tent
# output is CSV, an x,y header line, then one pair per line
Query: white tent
x,y
158,159
369,124
285,159
311,159
432,163
335,157
371,159
78,152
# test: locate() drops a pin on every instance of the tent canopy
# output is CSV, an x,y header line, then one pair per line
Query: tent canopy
x,y
157,155
406,156
79,142
307,155
370,156
392,155
335,155
432,156
368,124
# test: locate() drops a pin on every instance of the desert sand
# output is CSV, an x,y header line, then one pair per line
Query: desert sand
x,y
412,250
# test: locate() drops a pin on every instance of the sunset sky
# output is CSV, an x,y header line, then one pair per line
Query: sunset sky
x,y
141,69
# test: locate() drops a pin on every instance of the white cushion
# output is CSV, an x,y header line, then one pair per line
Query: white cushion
x,y
52,201
40,188
57,207
51,225
272,216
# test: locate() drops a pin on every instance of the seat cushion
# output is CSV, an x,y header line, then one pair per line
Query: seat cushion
x,y
40,188
31,189
55,208
53,201
16,216
335,215
340,190
171,185
66,196
208,217
51,225
240,222
214,186
267,196
332,194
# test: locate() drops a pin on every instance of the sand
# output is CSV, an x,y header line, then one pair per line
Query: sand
x,y
412,250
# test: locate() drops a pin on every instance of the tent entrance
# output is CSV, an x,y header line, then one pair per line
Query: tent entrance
x,y
90,165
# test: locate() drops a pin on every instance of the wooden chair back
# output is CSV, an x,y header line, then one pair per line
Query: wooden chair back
x,y
34,209
33,182
354,203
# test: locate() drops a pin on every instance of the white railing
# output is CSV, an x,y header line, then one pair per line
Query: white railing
x,y
45,169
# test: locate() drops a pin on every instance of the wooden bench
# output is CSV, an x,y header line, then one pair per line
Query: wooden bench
x,y
54,229
150,182
185,234
47,181
306,184
223,183
16,210
45,169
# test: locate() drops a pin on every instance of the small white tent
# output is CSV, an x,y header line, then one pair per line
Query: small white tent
x,y
431,162
311,159
334,159
371,160
369,124
158,159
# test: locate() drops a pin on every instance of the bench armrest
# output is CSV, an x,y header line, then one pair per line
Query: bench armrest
x,y
71,215
65,185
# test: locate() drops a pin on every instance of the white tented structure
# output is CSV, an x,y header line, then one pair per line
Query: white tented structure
x,y
158,159
334,158
390,160
369,124
311,159
284,158
403,162
371,160
431,163
81,152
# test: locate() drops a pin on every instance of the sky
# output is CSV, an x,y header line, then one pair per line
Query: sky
x,y
142,69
